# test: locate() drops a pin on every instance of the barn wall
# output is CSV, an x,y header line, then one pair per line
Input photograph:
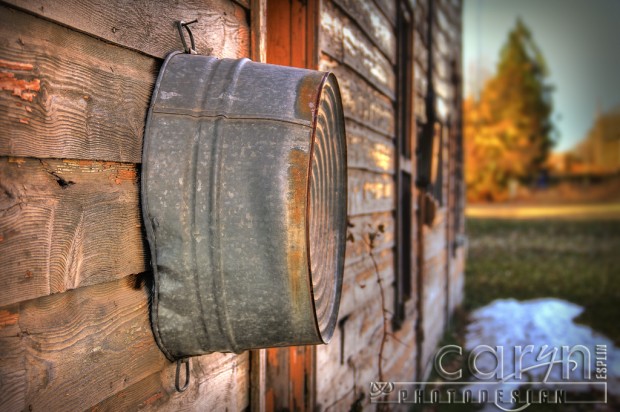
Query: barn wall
x,y
358,43
76,79
443,269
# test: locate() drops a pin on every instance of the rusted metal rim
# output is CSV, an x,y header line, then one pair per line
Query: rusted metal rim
x,y
327,207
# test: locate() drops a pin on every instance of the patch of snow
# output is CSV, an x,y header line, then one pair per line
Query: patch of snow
x,y
548,326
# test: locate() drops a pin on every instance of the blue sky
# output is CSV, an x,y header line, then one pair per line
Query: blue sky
x,y
580,40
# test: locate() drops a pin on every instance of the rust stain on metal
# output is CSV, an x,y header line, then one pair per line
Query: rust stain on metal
x,y
307,91
16,65
8,318
24,89
296,219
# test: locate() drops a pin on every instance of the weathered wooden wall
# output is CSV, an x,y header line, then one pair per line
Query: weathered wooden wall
x,y
75,82
358,41
443,271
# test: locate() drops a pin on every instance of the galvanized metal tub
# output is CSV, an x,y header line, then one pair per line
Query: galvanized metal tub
x,y
244,189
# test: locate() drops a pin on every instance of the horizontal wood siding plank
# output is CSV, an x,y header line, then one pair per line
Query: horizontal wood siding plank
x,y
366,59
68,95
376,229
66,224
362,102
361,286
149,26
374,23
369,192
218,382
330,31
345,42
97,342
93,341
388,7
368,150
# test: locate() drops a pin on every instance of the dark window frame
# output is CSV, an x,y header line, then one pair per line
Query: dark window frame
x,y
404,169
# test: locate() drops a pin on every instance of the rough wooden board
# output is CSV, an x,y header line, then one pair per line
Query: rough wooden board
x,y
352,370
12,361
389,9
368,150
366,59
93,347
374,23
360,285
218,382
82,346
330,33
66,224
258,34
360,100
81,98
378,226
369,192
345,42
149,26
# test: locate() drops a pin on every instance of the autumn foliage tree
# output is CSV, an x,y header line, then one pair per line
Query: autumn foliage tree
x,y
508,129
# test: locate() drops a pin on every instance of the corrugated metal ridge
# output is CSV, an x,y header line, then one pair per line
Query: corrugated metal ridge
x,y
213,114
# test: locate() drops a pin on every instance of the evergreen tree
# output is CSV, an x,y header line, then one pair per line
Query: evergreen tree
x,y
508,131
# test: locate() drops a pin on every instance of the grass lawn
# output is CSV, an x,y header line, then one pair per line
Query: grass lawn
x,y
578,261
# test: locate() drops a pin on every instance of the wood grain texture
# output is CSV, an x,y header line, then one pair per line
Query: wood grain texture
x,y
370,192
373,23
330,31
375,229
353,358
91,99
348,44
218,382
388,7
368,150
258,33
360,285
66,224
94,345
362,102
366,59
149,26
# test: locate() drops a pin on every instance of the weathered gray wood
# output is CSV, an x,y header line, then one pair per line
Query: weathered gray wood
x,y
330,33
374,24
362,102
367,60
93,341
388,7
368,150
65,224
218,382
149,26
12,361
360,286
375,229
73,350
370,192
82,99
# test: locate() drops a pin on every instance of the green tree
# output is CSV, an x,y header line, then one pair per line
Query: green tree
x,y
509,131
